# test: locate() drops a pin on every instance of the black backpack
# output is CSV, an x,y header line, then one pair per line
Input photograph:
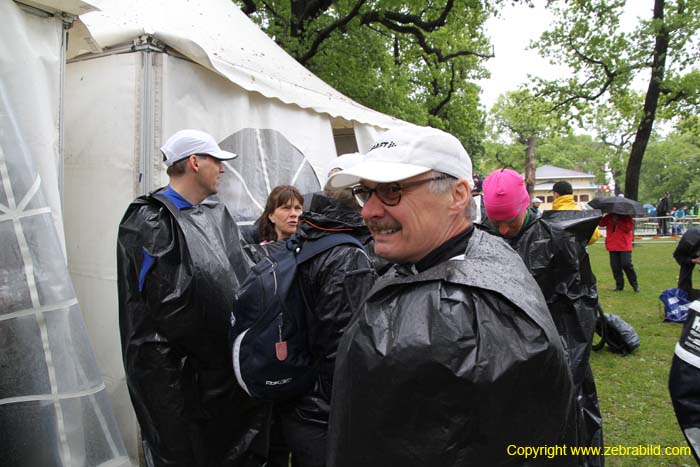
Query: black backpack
x,y
271,357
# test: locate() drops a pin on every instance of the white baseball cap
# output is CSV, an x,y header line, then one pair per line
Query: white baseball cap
x,y
404,153
342,162
184,143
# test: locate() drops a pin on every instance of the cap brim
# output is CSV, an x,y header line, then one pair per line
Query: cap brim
x,y
375,171
224,155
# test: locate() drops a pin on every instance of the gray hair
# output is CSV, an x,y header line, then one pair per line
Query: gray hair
x,y
441,186
444,185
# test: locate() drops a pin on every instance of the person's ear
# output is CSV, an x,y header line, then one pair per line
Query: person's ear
x,y
193,162
461,193
269,217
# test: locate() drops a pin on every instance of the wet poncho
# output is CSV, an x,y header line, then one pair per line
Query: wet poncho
x,y
174,320
450,367
334,283
554,251
684,380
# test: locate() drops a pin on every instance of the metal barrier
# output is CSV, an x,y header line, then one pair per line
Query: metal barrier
x,y
663,226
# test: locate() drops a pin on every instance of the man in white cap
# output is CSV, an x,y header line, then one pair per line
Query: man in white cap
x,y
179,266
428,372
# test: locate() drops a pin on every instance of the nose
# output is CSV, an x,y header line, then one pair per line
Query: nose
x,y
373,208
221,168
503,229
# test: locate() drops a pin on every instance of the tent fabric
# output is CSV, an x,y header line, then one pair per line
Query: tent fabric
x,y
71,7
54,409
220,74
35,49
224,40
105,168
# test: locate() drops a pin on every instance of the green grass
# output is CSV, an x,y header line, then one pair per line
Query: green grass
x,y
633,390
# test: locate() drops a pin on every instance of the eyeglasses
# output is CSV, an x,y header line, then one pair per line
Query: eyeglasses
x,y
388,193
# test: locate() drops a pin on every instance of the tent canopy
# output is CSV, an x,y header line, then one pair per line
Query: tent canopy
x,y
218,36
71,7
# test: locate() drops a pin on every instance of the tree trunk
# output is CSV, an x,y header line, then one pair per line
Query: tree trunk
x,y
634,165
530,164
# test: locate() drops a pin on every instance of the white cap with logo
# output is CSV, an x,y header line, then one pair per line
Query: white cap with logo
x,y
404,153
184,143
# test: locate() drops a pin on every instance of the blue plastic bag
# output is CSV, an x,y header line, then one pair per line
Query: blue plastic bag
x,y
675,305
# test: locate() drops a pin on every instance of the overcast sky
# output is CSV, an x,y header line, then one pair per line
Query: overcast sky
x,y
511,34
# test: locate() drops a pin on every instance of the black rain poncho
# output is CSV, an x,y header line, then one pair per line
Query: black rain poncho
x,y
684,380
335,283
450,366
553,248
174,334
688,248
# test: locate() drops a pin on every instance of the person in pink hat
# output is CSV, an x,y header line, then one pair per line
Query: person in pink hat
x,y
559,262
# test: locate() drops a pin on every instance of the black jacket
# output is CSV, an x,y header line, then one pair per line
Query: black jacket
x,y
449,366
688,248
335,284
684,380
174,334
553,248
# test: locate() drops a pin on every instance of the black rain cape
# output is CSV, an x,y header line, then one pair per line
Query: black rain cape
x,y
684,380
335,284
553,248
450,367
174,334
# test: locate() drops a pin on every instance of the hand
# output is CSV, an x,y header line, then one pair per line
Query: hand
x,y
695,260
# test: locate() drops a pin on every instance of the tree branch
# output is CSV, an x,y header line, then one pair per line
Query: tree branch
x,y
328,30
609,74
375,17
418,21
436,90
249,7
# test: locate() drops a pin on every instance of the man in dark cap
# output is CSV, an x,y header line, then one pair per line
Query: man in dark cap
x,y
563,194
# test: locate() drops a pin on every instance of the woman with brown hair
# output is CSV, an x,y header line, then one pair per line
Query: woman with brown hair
x,y
280,219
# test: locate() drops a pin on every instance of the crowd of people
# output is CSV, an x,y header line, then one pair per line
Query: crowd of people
x,y
462,295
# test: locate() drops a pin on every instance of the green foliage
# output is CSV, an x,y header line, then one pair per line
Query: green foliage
x,y
575,152
522,115
412,59
673,164
606,59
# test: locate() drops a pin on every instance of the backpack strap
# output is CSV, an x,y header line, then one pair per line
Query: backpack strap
x,y
309,249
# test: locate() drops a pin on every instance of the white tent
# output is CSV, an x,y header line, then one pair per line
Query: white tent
x,y
140,70
54,407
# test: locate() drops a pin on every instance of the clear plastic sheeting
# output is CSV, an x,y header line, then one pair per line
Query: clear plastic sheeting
x,y
270,160
54,410
53,405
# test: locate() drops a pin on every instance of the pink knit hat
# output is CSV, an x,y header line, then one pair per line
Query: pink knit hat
x,y
505,195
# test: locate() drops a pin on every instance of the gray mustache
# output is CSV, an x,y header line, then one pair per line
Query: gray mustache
x,y
383,225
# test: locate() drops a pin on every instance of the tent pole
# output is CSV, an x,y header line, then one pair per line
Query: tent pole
x,y
148,47
67,24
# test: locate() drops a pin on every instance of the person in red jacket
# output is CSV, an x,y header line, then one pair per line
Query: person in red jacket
x,y
618,241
